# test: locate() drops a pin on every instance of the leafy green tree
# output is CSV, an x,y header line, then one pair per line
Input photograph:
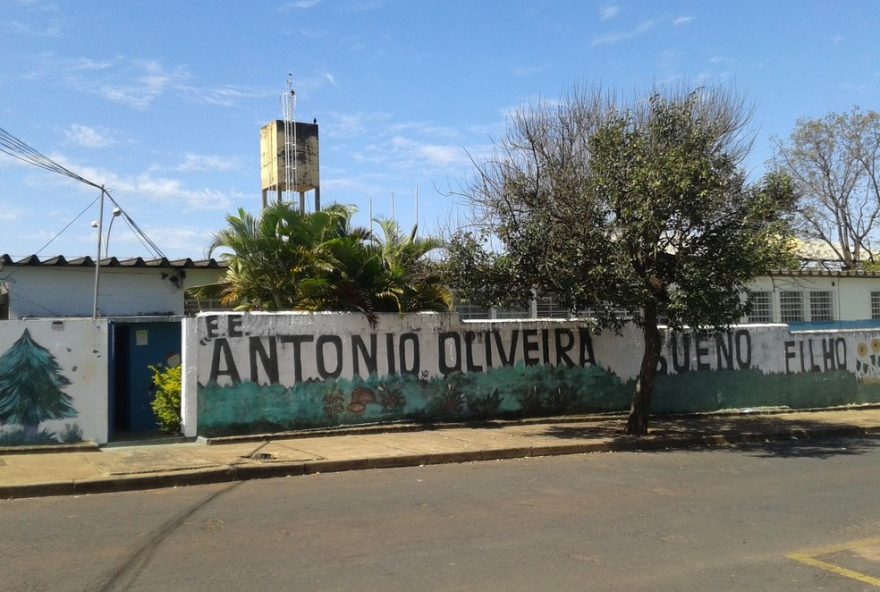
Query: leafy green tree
x,y
32,386
834,164
637,212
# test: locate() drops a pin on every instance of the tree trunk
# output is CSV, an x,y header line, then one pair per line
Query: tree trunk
x,y
637,424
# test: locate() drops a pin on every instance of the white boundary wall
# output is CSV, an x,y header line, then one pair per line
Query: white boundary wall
x,y
80,348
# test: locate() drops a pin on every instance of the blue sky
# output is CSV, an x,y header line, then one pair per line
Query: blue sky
x,y
162,101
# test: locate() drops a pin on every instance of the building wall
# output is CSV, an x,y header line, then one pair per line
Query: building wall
x,y
851,296
53,381
851,300
263,372
47,291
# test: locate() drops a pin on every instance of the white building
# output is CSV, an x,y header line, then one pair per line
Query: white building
x,y
839,298
836,299
59,287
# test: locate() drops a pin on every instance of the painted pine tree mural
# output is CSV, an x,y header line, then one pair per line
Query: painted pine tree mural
x,y
32,387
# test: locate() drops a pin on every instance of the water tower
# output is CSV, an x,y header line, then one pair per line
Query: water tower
x,y
289,156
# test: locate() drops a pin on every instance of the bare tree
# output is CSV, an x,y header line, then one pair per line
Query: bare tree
x,y
833,163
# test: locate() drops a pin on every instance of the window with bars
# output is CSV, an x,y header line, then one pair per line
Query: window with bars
x,y
821,308
875,305
513,313
791,307
762,308
548,307
468,311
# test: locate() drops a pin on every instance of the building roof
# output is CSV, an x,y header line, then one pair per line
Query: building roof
x,y
850,273
136,262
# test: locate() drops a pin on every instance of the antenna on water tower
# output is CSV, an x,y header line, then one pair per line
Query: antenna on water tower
x,y
289,155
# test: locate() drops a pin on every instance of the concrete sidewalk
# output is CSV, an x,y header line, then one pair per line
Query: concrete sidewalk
x,y
122,468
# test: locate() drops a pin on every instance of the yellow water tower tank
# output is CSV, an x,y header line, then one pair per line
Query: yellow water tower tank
x,y
289,160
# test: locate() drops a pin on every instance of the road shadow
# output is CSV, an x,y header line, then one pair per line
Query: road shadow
x,y
813,448
768,436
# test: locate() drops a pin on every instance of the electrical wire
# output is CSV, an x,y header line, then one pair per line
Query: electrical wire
x,y
68,225
8,276
18,149
140,234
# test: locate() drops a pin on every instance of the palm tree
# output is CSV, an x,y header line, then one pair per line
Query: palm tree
x,y
272,260
414,281
287,260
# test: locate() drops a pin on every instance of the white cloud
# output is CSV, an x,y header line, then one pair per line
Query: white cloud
x,y
171,191
175,241
149,85
131,82
89,137
340,184
149,187
38,5
9,213
608,12
44,24
299,4
50,28
313,83
435,154
8,161
682,20
354,124
207,162
224,96
90,64
618,36
366,5
425,129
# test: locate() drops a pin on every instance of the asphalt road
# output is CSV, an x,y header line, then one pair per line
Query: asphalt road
x,y
666,520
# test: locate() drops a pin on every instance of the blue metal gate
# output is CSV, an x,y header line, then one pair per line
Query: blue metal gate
x,y
136,346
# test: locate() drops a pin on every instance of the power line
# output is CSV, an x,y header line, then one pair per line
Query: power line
x,y
51,240
20,150
16,148
140,234
68,225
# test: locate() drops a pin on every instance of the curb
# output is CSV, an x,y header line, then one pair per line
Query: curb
x,y
88,446
245,472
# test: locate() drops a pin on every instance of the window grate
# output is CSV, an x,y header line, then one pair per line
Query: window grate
x,y
791,307
549,308
469,312
875,305
821,308
762,309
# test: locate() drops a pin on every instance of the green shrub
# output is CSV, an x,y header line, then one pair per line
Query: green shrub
x,y
166,400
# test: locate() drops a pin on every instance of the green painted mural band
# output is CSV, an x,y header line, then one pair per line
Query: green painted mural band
x,y
507,393
434,370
